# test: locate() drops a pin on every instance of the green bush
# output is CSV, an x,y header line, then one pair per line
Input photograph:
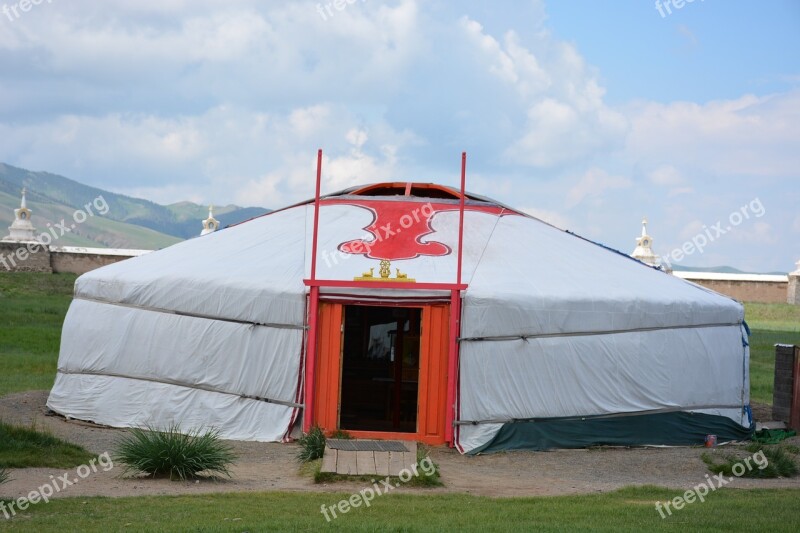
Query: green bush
x,y
312,445
173,453
779,463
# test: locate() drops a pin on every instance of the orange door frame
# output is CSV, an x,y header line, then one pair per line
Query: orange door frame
x,y
433,373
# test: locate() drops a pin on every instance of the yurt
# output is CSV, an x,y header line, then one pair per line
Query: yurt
x,y
405,311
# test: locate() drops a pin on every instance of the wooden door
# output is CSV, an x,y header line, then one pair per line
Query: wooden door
x,y
432,374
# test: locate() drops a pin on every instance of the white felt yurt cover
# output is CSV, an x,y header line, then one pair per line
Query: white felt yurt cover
x,y
210,332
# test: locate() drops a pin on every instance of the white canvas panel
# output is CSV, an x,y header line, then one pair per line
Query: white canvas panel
x,y
536,279
602,374
251,272
225,356
471,437
120,402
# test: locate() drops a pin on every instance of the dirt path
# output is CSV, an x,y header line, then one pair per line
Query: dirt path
x,y
271,466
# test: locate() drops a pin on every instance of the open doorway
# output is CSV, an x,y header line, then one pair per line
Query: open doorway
x,y
380,368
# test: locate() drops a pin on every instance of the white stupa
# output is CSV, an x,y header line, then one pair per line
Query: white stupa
x,y
21,230
644,248
793,292
211,224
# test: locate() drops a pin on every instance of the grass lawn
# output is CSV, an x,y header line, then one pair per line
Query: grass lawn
x,y
773,317
22,447
32,310
631,509
770,324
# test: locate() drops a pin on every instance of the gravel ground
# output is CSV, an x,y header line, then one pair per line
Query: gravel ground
x,y
272,466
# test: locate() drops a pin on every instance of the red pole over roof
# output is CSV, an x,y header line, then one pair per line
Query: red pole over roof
x,y
316,218
455,318
461,214
313,297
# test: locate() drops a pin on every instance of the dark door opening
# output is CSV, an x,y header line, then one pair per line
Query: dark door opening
x,y
380,368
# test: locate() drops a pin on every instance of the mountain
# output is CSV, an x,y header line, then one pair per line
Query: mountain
x,y
127,223
720,269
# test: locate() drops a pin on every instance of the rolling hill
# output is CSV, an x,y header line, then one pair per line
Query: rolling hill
x,y
128,223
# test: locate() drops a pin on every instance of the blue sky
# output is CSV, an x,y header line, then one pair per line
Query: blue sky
x,y
590,115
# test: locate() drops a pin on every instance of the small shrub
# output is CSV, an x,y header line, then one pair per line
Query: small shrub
x,y
341,434
779,463
312,445
5,476
422,479
173,453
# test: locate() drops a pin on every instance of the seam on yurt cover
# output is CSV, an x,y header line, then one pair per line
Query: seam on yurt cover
x,y
594,417
180,384
486,244
525,336
192,315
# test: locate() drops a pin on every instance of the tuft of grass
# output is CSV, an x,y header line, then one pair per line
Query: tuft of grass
x,y
312,445
313,469
5,476
791,448
162,453
427,470
29,447
341,434
779,462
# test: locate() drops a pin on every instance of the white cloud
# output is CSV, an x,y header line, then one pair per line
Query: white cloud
x,y
229,101
666,175
566,116
755,232
249,50
671,177
593,186
305,121
748,136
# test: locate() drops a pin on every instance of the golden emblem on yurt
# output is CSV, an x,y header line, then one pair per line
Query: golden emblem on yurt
x,y
384,274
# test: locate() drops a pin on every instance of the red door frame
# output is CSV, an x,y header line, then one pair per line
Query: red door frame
x,y
432,385
455,289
